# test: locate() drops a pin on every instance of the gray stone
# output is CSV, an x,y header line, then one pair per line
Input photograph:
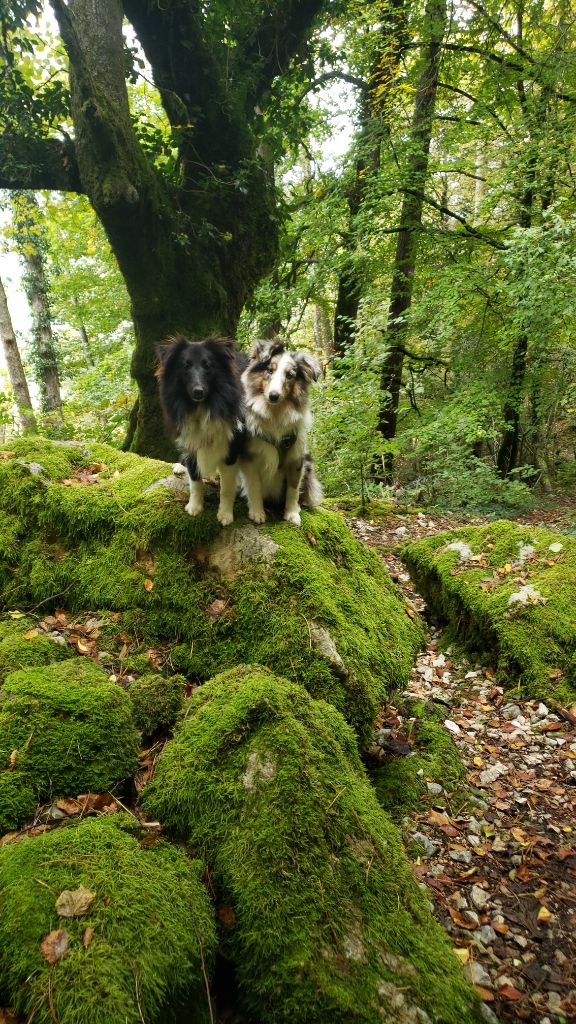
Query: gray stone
x,y
461,856
326,648
485,935
430,848
479,897
478,974
234,549
171,483
434,788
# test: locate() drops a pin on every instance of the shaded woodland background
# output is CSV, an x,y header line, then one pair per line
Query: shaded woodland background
x,y
169,168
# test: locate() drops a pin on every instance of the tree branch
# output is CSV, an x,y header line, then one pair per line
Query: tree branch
x,y
36,163
481,103
474,232
329,76
284,28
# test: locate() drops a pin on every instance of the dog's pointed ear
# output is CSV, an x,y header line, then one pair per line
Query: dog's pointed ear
x,y
308,365
168,348
260,349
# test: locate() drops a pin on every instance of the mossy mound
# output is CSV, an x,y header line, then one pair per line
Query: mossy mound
x,y
400,782
137,953
109,531
325,921
23,646
510,591
65,729
156,702
17,800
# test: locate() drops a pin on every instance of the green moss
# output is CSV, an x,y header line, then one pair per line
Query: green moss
x,y
400,782
156,702
17,800
532,642
22,646
152,924
110,546
329,925
67,728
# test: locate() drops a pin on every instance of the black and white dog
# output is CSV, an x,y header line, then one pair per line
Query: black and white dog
x,y
202,399
274,463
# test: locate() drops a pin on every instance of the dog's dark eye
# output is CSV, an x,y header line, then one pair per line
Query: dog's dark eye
x,y
290,374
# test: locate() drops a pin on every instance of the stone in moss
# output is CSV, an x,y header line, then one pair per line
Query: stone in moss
x,y
152,928
67,729
156,702
534,640
23,646
311,602
330,926
17,800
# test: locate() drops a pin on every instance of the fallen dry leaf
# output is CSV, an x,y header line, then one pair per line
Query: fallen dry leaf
x,y
87,937
509,992
74,902
461,921
311,538
148,585
543,915
54,946
30,634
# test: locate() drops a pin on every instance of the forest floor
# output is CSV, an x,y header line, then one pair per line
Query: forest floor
x,y
500,865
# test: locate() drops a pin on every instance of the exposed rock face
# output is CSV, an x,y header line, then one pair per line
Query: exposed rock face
x,y
329,925
236,549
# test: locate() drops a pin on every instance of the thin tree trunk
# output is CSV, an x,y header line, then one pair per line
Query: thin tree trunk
x,y
31,250
83,335
14,366
374,127
410,222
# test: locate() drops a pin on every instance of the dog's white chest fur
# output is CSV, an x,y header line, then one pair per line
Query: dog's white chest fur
x,y
209,439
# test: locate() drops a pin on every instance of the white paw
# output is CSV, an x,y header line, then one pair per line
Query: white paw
x,y
257,517
292,517
178,469
194,508
225,518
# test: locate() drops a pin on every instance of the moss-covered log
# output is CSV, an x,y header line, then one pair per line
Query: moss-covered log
x,y
138,952
324,921
99,529
510,591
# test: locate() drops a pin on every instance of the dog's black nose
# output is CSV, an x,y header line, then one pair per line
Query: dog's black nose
x,y
198,394
273,396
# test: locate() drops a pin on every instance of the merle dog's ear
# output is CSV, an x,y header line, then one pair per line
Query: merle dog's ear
x,y
166,349
308,365
260,349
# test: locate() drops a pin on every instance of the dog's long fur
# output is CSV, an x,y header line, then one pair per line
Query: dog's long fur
x,y
275,464
202,399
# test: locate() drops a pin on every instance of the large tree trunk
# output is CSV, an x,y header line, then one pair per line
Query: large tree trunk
x,y
14,366
410,224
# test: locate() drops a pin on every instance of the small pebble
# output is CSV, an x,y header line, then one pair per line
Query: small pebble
x,y
461,856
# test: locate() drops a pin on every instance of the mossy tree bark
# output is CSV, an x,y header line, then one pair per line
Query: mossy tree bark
x,y
410,224
14,366
192,246
31,245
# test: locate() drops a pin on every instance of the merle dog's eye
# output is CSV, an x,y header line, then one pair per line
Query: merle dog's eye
x,y
290,374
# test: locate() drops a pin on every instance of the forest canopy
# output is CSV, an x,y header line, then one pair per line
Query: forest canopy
x,y
173,162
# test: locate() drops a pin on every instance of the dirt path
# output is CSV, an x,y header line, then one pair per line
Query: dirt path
x,y
501,872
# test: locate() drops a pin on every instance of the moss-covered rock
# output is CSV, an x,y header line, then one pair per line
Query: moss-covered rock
x,y
327,923
510,591
156,702
17,800
400,782
137,953
64,729
107,529
23,646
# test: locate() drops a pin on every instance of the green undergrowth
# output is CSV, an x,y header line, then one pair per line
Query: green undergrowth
x,y
400,782
95,540
534,643
156,702
327,924
137,953
64,729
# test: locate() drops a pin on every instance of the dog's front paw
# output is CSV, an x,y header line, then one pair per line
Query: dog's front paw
x,y
292,517
224,517
194,508
257,517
